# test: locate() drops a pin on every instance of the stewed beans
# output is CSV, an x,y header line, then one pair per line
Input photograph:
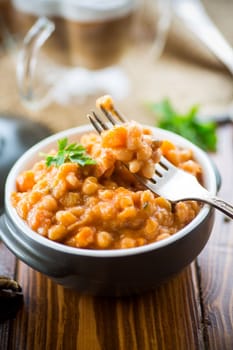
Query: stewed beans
x,y
101,205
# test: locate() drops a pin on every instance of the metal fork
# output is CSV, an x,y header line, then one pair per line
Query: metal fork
x,y
168,181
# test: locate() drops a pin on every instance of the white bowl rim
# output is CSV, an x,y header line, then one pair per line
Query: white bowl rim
x,y
113,253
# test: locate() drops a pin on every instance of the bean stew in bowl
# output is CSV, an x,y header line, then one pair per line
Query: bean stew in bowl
x,y
75,212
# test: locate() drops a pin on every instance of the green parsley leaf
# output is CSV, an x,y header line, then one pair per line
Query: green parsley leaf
x,y
201,133
74,153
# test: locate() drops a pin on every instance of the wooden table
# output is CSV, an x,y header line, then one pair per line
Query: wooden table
x,y
194,310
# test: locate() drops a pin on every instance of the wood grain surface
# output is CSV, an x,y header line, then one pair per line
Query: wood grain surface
x,y
216,261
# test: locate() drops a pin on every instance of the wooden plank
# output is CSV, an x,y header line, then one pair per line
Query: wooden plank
x,y
7,262
216,261
56,318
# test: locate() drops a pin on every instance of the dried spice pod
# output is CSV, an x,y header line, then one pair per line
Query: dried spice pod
x,y
11,298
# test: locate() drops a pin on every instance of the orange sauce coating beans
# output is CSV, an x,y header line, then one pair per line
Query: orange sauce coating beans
x,y
102,206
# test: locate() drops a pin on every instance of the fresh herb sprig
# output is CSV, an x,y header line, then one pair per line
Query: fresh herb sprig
x,y
74,153
201,133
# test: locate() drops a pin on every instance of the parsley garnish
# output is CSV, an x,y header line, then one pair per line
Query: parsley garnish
x,y
74,153
201,133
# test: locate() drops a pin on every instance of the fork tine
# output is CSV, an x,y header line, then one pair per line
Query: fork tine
x,y
161,168
119,115
100,121
109,116
97,123
113,117
165,163
160,172
94,124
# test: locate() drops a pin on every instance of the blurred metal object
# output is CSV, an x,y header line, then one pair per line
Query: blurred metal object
x,y
219,118
197,20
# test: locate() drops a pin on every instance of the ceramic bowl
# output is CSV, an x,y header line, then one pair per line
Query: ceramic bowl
x,y
107,272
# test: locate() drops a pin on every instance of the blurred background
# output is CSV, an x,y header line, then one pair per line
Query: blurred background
x,y
184,70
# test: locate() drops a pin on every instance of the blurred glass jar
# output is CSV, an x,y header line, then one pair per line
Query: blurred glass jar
x,y
92,34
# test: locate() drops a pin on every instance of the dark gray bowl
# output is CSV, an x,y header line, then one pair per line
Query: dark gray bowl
x,y
107,272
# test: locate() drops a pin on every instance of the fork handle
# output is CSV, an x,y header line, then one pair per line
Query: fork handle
x,y
220,204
